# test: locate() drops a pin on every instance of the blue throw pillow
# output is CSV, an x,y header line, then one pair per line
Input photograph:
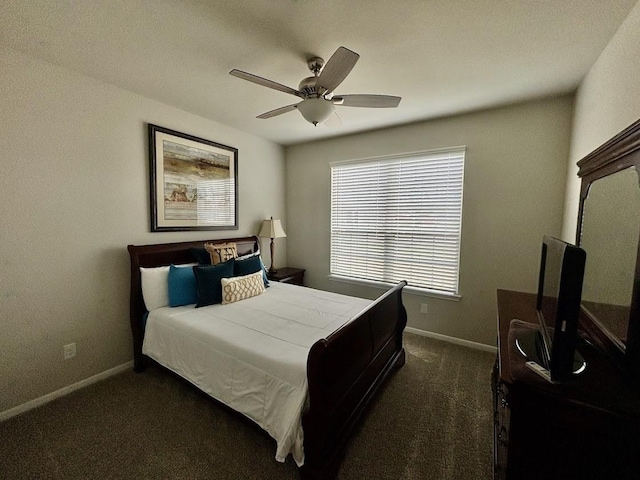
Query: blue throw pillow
x,y
200,255
265,279
245,266
182,286
248,264
208,281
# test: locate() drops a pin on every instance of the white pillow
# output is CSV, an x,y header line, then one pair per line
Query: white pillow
x,y
248,255
155,285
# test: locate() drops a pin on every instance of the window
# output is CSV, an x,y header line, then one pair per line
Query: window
x,y
399,218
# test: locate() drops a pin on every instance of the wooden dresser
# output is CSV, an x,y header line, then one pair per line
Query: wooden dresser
x,y
588,428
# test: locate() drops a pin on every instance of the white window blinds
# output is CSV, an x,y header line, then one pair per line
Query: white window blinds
x,y
399,218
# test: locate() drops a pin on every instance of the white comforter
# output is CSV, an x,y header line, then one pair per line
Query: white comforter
x,y
252,355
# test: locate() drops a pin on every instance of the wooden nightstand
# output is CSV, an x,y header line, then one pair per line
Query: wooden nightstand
x,y
288,275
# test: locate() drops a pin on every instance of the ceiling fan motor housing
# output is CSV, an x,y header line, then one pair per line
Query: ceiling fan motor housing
x,y
308,86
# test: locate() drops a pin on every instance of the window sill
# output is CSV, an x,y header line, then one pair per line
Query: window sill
x,y
409,289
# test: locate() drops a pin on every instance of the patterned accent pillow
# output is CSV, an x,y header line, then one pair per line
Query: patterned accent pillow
x,y
221,252
238,288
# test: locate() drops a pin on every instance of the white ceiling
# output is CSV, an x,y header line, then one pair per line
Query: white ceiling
x,y
441,56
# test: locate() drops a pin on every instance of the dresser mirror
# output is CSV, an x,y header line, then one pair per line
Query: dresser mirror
x,y
609,231
609,234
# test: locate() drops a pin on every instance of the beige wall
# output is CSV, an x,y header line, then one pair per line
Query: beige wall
x,y
607,101
74,189
515,175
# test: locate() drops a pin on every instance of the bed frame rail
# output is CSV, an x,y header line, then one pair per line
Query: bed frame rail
x,y
344,372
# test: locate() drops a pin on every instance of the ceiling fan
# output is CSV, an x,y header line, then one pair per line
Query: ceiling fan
x,y
318,102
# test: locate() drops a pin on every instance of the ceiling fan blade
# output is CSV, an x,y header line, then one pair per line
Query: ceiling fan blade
x,y
278,111
364,100
334,120
336,70
265,83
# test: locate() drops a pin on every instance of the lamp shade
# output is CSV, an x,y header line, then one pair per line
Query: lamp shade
x,y
316,110
272,229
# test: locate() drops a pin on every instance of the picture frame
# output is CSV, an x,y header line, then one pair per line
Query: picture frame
x,y
193,182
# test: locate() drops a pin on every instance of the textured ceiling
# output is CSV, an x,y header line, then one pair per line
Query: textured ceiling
x,y
441,56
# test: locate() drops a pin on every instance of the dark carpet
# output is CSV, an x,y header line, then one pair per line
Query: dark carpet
x,y
431,420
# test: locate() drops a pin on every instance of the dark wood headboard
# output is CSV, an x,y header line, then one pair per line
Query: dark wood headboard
x,y
160,255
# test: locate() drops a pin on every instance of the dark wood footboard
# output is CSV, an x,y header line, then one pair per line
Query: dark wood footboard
x,y
344,372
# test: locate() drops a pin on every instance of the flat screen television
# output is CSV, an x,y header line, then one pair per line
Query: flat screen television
x,y
553,346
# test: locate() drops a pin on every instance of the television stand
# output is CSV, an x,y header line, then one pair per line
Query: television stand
x,y
585,429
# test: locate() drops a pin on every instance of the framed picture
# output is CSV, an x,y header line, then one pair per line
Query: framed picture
x,y
194,182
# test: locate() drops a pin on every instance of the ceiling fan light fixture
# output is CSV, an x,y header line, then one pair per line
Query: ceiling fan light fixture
x,y
318,101
316,110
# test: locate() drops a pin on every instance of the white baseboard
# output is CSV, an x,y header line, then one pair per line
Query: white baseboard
x,y
457,341
12,412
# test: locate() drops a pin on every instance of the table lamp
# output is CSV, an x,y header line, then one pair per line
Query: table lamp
x,y
272,229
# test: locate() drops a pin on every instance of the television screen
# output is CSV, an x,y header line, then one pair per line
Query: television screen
x,y
558,307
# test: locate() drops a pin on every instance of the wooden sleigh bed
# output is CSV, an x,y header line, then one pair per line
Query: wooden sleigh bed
x,y
344,370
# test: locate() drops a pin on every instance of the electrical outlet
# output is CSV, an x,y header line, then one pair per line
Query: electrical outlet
x,y
69,351
423,307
